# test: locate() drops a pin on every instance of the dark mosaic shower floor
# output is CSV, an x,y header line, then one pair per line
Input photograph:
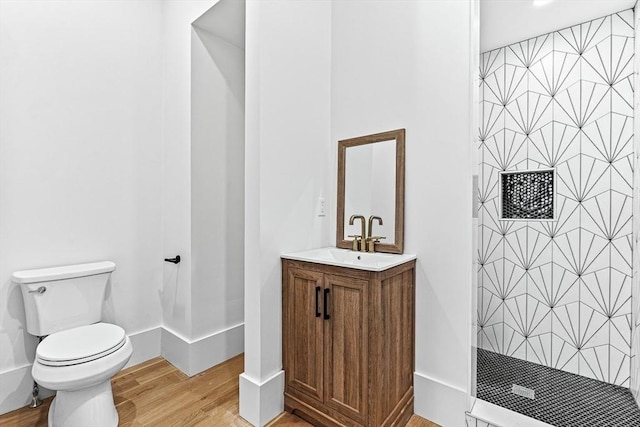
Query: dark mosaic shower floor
x,y
561,399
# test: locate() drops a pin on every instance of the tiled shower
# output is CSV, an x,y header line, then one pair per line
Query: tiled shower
x,y
555,273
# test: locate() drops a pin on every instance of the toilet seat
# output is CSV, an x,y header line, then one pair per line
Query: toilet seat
x,y
83,390
80,345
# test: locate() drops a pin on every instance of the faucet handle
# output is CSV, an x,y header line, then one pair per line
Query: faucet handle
x,y
371,242
356,243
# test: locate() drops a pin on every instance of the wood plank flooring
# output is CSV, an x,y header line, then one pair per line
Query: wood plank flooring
x,y
155,393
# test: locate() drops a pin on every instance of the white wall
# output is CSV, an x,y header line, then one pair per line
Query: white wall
x,y
176,180
407,65
80,159
335,72
92,86
96,136
288,150
217,175
203,120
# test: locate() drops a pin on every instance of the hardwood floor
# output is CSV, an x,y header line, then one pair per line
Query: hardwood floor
x,y
155,393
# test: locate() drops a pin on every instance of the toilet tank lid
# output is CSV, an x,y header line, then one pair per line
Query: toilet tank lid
x,y
63,272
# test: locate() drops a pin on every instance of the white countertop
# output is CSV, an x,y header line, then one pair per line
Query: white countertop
x,y
370,261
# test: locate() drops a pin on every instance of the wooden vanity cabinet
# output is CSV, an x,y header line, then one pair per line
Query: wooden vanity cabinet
x,y
348,343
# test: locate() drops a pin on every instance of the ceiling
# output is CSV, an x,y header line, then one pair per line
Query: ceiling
x,y
503,22
226,20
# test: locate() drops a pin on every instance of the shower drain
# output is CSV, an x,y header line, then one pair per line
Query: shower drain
x,y
523,391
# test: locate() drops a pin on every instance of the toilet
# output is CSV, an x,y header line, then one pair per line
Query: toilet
x,y
79,353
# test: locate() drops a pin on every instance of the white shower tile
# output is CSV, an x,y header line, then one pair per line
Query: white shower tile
x,y
554,143
622,23
505,150
555,72
620,333
539,349
492,338
553,285
622,175
491,116
507,279
619,367
514,343
592,329
564,355
539,248
593,253
621,255
568,95
529,112
622,96
490,246
607,291
566,323
528,52
594,362
567,215
491,61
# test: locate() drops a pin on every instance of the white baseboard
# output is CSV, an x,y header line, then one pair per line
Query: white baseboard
x,y
175,350
195,356
260,402
442,403
191,357
16,385
146,345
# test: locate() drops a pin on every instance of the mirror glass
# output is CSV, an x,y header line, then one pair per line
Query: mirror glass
x,y
371,183
370,188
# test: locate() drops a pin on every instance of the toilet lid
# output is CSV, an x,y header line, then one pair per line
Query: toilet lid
x,y
80,345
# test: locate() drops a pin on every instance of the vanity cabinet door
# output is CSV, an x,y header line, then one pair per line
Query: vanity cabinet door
x,y
303,332
346,346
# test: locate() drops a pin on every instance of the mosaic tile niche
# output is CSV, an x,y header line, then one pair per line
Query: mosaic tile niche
x,y
558,293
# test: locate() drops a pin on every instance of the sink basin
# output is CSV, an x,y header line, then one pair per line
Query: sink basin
x,y
350,259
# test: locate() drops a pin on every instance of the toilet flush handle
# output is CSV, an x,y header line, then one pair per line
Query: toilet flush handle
x,y
40,290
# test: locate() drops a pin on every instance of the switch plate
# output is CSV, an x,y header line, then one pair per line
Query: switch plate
x,y
322,207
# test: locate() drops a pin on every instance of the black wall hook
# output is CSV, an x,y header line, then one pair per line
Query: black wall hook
x,y
173,260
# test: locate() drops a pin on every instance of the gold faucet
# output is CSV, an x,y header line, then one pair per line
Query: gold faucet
x,y
370,242
358,244
371,218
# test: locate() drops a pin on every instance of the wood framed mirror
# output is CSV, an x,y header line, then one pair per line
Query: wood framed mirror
x,y
371,183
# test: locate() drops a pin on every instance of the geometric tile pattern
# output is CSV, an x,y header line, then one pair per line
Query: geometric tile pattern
x,y
635,282
561,398
558,293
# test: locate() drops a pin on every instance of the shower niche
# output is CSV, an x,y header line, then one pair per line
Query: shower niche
x,y
527,195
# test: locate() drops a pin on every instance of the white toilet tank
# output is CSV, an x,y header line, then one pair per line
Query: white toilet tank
x,y
61,298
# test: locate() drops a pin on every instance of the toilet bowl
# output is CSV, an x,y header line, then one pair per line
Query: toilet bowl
x,y
78,363
79,353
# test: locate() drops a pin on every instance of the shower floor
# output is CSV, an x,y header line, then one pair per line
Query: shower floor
x,y
561,398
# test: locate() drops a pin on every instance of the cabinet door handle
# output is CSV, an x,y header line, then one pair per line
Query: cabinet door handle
x,y
317,298
326,304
